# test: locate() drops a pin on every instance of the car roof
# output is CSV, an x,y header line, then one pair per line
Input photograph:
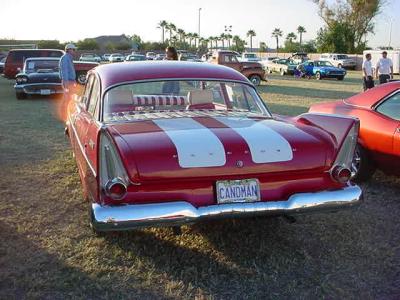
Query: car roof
x,y
369,98
112,74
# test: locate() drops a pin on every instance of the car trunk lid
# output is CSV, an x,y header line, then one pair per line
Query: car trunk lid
x,y
217,147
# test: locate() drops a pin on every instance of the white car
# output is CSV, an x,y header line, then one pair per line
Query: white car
x,y
115,57
339,60
90,57
150,55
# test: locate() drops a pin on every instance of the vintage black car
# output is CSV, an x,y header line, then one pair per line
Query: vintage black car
x,y
40,76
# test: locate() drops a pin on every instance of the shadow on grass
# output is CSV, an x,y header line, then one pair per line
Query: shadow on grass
x,y
249,275
304,92
29,272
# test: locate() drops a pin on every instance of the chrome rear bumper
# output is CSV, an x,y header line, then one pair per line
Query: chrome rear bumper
x,y
109,218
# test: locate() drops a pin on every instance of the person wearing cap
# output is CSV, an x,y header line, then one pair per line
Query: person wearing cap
x,y
368,72
384,68
67,70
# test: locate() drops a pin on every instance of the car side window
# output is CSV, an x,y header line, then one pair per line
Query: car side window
x,y
391,107
94,97
88,89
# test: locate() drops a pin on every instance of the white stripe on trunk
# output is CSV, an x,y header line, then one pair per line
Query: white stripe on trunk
x,y
266,145
197,146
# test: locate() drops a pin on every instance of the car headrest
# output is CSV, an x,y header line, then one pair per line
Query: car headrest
x,y
119,96
200,97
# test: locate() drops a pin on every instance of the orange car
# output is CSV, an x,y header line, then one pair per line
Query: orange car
x,y
379,141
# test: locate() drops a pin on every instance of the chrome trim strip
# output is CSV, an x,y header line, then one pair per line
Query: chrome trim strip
x,y
110,218
39,83
81,147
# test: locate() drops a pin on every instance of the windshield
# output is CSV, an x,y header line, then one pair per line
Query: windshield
x,y
41,66
137,101
250,55
323,64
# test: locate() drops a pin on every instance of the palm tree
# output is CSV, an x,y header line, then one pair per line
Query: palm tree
x,y
162,25
250,34
291,36
300,31
172,28
195,37
189,35
222,38
228,38
181,33
277,33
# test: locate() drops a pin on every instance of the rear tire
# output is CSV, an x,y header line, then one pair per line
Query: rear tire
x,y
362,168
318,76
20,96
340,78
282,72
339,66
255,79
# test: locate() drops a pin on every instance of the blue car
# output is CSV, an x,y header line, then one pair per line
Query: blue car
x,y
322,69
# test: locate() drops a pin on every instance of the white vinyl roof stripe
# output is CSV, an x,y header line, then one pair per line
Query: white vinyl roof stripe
x,y
266,145
197,146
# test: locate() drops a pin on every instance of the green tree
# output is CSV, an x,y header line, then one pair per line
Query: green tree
x,y
251,33
238,44
263,47
123,46
87,44
356,16
277,33
171,28
300,31
162,25
291,36
50,44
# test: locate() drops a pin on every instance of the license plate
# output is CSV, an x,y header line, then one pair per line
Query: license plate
x,y
45,92
233,191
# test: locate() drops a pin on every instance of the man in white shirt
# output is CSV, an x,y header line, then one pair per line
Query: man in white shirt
x,y
384,68
368,72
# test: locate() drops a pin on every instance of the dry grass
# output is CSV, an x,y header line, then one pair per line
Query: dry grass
x,y
47,251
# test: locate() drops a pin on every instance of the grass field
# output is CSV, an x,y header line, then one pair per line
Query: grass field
x,y
47,250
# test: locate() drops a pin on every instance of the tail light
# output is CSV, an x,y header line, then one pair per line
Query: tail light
x,y
341,170
116,189
113,178
341,174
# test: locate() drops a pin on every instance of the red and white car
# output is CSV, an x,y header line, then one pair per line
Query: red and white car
x,y
167,143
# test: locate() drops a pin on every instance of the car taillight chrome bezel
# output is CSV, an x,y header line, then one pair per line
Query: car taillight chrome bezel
x,y
111,168
345,155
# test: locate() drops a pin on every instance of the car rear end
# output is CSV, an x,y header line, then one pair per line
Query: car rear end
x,y
144,183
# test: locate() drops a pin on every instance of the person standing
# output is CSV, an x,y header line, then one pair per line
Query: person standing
x,y
67,71
368,72
384,68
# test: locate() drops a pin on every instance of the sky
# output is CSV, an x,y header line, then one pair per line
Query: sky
x,y
72,20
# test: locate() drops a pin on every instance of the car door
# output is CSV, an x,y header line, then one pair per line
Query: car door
x,y
80,127
388,131
87,126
